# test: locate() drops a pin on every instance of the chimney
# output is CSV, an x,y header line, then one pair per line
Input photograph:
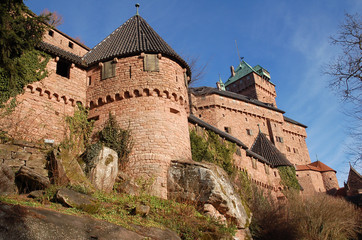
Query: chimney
x,y
232,71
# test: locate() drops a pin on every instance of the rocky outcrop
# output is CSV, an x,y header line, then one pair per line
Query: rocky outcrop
x,y
7,180
104,169
209,186
65,169
25,223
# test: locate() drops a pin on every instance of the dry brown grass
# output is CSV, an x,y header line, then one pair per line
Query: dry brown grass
x,y
318,217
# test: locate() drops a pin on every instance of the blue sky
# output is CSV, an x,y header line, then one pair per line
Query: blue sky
x,y
288,38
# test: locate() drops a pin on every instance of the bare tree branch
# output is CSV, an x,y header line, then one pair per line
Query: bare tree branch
x,y
346,77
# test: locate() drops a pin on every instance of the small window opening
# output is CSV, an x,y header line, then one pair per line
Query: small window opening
x,y
253,163
51,33
108,70
175,111
151,63
89,80
227,129
249,132
70,44
238,151
63,68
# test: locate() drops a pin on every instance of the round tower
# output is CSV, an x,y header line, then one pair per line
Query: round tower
x,y
135,75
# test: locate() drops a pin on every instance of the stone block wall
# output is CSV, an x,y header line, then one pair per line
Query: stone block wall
x,y
60,40
243,120
311,182
153,105
42,108
20,153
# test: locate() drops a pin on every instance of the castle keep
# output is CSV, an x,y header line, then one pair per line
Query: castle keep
x,y
135,75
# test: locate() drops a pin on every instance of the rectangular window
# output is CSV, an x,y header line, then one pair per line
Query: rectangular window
x,y
238,151
249,132
151,63
227,129
63,68
288,149
89,80
70,44
254,163
266,166
108,70
295,150
51,33
279,139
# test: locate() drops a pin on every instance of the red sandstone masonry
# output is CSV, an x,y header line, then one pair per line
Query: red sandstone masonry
x,y
153,105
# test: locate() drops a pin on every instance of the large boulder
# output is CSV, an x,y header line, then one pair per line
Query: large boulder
x,y
209,186
7,180
65,169
24,223
29,180
70,198
104,169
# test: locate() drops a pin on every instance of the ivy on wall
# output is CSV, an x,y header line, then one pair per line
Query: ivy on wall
x,y
114,137
212,148
30,67
288,177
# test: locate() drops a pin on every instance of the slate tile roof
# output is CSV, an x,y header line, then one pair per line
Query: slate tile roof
x,y
314,166
203,91
133,37
265,148
294,122
51,49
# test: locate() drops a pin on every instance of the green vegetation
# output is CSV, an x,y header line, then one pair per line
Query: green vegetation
x,y
79,130
288,177
114,137
212,148
20,63
116,208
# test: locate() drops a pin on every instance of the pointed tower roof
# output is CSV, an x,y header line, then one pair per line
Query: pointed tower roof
x,y
265,148
131,38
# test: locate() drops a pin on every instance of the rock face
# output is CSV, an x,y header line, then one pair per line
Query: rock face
x,y
208,185
25,223
29,180
7,180
104,171
66,170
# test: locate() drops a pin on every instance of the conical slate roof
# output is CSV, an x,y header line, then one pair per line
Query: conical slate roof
x,y
131,38
265,148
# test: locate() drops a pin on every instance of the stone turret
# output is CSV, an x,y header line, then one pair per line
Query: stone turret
x,y
253,82
140,79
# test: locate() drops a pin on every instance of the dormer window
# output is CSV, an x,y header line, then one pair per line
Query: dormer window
x,y
108,70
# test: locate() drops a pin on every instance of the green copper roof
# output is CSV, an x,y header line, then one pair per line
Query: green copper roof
x,y
244,69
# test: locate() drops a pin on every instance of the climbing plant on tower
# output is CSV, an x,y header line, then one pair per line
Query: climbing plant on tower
x,y
20,62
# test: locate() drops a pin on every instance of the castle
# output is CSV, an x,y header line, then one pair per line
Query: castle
x,y
135,75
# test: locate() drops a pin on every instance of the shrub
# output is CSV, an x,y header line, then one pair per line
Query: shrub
x,y
212,148
315,217
116,138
